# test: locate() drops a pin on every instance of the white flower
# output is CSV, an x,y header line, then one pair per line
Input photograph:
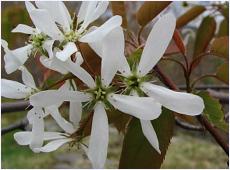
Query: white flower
x,y
101,96
16,90
56,140
51,12
15,58
155,47
38,136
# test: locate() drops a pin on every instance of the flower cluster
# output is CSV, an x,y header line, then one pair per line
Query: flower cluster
x,y
56,37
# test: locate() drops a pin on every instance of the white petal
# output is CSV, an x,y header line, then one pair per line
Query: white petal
x,y
66,86
144,108
53,145
21,28
53,64
43,21
54,135
64,124
30,115
150,134
79,72
82,11
53,97
100,9
4,44
27,78
156,43
103,30
23,138
16,58
113,58
79,58
29,6
37,129
48,46
97,47
90,7
58,12
14,90
184,103
75,112
99,138
68,50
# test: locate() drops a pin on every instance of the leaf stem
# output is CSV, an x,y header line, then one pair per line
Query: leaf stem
x,y
176,61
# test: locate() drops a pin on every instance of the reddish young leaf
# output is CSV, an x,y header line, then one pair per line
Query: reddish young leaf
x,y
205,33
179,41
224,28
149,10
222,72
220,47
189,15
118,8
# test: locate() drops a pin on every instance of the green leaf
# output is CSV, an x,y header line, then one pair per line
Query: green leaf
x,y
149,10
118,8
137,152
204,35
213,111
190,15
223,29
222,72
220,47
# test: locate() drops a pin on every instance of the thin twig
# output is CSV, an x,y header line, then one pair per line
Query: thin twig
x,y
176,61
15,106
217,136
17,125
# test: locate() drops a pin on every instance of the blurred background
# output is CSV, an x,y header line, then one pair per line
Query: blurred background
x,y
188,149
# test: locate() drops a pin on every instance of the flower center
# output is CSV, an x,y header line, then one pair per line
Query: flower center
x,y
132,81
37,40
99,94
72,36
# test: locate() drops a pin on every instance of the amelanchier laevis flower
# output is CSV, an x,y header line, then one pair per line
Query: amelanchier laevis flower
x,y
15,90
136,79
67,32
38,136
15,58
53,23
103,97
